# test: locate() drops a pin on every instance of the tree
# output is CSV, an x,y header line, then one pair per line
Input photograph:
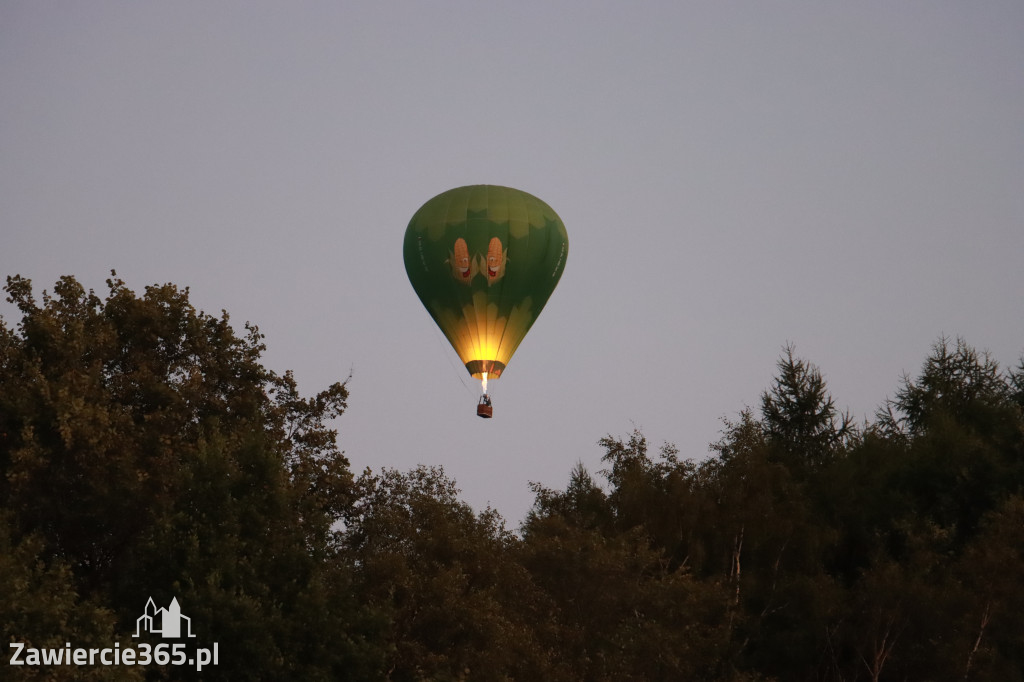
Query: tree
x,y
992,570
800,417
620,607
583,502
40,609
146,449
456,604
957,383
768,544
962,433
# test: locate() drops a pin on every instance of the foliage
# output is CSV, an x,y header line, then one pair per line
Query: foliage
x,y
456,606
146,451
800,417
40,609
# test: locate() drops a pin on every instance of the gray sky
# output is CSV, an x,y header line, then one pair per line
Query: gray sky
x,y
733,176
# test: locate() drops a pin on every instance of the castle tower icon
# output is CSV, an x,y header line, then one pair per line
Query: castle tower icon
x,y
165,622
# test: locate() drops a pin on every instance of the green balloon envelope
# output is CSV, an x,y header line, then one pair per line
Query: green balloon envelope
x,y
484,259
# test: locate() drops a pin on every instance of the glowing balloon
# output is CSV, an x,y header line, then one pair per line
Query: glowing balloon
x,y
484,260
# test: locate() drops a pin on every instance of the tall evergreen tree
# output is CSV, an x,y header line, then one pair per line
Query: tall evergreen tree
x,y
800,417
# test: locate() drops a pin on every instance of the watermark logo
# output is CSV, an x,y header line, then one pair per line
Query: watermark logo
x,y
164,622
169,623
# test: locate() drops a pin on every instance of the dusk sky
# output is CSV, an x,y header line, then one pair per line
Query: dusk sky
x,y
733,177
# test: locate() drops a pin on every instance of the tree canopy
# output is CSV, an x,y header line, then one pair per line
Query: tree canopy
x,y
147,452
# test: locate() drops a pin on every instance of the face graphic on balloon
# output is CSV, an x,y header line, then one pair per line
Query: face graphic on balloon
x,y
465,267
496,259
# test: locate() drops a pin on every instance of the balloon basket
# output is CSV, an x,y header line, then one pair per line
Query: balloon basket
x,y
484,408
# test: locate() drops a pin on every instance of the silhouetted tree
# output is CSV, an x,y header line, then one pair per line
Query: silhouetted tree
x,y
800,417
146,449
619,609
455,602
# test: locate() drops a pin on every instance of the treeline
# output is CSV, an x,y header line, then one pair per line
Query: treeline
x,y
146,452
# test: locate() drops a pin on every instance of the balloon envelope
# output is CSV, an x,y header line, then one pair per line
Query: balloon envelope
x,y
484,259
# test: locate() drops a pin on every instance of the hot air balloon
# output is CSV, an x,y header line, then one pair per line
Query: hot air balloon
x,y
484,259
